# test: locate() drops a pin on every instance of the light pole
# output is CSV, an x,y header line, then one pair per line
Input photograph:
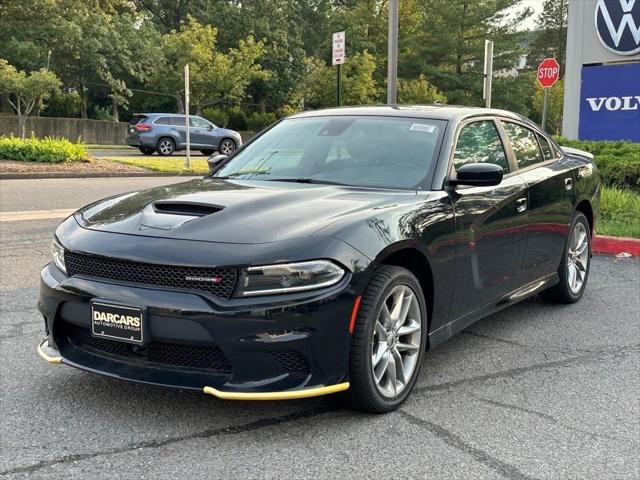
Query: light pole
x,y
392,56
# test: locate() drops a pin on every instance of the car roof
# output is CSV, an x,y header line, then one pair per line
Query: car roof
x,y
434,112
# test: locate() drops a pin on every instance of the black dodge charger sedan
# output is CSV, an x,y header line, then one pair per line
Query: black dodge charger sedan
x,y
326,255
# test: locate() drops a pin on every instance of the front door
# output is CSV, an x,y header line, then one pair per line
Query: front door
x,y
491,240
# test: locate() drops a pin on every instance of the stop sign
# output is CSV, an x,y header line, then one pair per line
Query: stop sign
x,y
548,72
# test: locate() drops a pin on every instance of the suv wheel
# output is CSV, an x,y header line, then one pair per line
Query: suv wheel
x,y
166,147
227,146
389,341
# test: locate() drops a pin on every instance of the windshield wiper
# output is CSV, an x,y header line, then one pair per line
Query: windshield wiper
x,y
245,172
306,180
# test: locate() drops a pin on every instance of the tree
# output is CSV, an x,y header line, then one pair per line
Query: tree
x,y
215,77
419,91
550,39
26,91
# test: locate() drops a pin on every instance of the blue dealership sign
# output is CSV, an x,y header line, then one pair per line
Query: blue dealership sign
x,y
610,102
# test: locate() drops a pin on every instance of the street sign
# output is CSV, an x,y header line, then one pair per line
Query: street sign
x,y
338,50
548,72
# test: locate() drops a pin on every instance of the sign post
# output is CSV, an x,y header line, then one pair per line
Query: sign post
x,y
338,52
488,72
548,75
392,54
187,163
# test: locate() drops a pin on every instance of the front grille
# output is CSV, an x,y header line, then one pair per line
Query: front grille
x,y
152,274
291,361
173,355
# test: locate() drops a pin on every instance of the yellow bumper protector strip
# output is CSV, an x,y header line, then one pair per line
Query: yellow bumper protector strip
x,y
48,358
284,395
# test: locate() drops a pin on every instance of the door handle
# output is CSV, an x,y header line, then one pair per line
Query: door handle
x,y
568,183
521,205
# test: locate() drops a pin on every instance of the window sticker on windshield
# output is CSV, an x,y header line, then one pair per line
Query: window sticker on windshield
x,y
419,127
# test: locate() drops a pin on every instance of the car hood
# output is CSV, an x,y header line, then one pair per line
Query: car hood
x,y
235,211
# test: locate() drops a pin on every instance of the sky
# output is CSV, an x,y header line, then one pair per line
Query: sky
x,y
536,6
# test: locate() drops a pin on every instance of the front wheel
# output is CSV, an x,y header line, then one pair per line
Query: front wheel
x,y
227,146
575,264
389,341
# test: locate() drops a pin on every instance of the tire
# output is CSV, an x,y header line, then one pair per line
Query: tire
x,y
207,152
227,146
369,392
166,146
147,150
575,261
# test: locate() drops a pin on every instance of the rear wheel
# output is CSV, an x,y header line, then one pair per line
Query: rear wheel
x,y
227,146
575,264
166,146
147,150
389,341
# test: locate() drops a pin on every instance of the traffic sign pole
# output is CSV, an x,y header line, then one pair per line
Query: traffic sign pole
x,y
544,106
338,53
339,85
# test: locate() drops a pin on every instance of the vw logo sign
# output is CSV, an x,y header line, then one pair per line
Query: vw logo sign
x,y
618,25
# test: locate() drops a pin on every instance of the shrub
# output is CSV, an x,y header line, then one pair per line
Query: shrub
x,y
237,119
258,121
51,150
619,213
216,116
618,162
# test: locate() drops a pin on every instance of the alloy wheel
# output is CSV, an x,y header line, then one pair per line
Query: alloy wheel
x,y
577,257
396,341
165,146
227,147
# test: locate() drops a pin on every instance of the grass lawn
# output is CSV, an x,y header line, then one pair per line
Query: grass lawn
x,y
619,213
165,164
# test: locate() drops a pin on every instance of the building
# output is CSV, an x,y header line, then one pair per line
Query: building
x,y
602,79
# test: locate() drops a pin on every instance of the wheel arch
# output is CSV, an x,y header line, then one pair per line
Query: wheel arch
x,y
585,207
417,262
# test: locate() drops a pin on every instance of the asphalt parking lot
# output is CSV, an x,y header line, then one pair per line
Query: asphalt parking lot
x,y
536,391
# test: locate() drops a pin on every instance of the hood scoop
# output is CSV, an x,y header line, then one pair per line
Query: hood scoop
x,y
190,209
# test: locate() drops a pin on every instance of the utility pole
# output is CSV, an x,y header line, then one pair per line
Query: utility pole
x,y
392,55
187,163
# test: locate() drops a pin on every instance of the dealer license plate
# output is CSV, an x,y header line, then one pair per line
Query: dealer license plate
x,y
117,322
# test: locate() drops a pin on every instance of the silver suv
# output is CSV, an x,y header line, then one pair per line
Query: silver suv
x,y
166,133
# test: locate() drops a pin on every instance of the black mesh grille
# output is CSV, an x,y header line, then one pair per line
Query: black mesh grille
x,y
190,357
153,274
292,361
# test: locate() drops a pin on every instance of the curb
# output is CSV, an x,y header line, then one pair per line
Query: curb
x,y
616,245
35,176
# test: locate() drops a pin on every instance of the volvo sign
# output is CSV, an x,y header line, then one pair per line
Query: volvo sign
x,y
618,25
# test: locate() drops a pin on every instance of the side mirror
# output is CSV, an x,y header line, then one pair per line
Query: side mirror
x,y
215,162
210,127
478,175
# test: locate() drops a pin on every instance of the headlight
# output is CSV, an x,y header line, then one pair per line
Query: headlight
x,y
58,255
289,277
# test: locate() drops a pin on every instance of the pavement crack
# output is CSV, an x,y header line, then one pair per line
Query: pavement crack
x,y
457,442
514,372
544,416
209,433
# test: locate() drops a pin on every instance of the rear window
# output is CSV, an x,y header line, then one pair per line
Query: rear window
x,y
524,143
137,119
178,121
546,148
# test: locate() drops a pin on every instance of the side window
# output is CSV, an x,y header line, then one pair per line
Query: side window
x,y
546,148
198,122
524,143
163,121
479,142
178,121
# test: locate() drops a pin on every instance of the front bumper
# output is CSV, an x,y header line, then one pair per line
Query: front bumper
x,y
277,350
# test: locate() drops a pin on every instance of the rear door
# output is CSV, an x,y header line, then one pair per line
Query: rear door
x,y
180,130
488,221
550,199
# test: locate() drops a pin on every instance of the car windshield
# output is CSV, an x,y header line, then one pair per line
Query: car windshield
x,y
368,151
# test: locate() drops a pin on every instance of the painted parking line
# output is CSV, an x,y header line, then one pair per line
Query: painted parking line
x,y
35,215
